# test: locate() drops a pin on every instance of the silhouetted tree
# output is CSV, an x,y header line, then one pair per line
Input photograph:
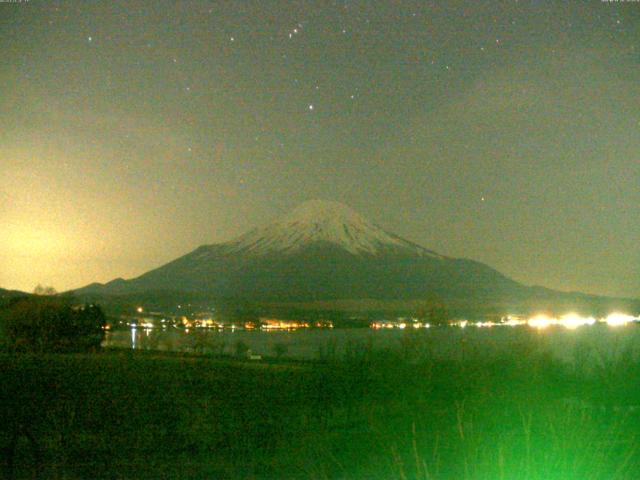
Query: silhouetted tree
x,y
44,291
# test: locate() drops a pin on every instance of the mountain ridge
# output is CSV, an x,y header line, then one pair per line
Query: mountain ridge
x,y
324,250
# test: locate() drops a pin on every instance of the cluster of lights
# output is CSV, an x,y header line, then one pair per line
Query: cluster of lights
x,y
270,324
570,321
264,324
145,325
509,322
379,325
282,325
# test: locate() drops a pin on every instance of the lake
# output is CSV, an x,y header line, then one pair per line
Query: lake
x,y
592,343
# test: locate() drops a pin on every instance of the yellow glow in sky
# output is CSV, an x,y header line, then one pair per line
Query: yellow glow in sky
x,y
25,239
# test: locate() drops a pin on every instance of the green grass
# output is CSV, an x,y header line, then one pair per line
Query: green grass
x,y
373,415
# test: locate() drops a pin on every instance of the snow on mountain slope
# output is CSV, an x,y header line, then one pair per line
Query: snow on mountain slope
x,y
323,221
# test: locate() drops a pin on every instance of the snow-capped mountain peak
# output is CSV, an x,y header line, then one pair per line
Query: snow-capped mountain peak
x,y
323,221
321,212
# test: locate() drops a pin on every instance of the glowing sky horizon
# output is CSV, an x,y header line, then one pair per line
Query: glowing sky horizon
x,y
505,132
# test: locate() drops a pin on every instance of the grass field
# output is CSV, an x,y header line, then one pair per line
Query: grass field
x,y
380,415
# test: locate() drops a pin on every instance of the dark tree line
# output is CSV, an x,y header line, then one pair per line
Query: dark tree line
x,y
51,324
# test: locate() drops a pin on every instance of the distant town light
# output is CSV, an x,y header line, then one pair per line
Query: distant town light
x,y
513,322
617,319
541,321
573,321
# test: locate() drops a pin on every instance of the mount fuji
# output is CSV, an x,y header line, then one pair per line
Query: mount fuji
x,y
327,222
320,250
323,251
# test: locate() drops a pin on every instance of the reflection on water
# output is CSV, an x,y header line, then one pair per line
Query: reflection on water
x,y
599,342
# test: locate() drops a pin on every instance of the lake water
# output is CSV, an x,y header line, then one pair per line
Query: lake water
x,y
594,343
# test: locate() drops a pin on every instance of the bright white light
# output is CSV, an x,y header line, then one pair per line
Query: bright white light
x,y
485,324
573,321
512,322
617,319
541,321
463,323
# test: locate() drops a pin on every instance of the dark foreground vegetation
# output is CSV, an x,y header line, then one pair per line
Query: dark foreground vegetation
x,y
370,415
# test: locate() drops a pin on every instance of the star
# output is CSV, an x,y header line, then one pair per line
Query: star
x,y
310,106
89,39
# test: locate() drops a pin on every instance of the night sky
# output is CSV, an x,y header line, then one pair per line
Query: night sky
x,y
506,132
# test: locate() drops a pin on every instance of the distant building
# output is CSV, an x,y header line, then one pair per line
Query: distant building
x,y
278,324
